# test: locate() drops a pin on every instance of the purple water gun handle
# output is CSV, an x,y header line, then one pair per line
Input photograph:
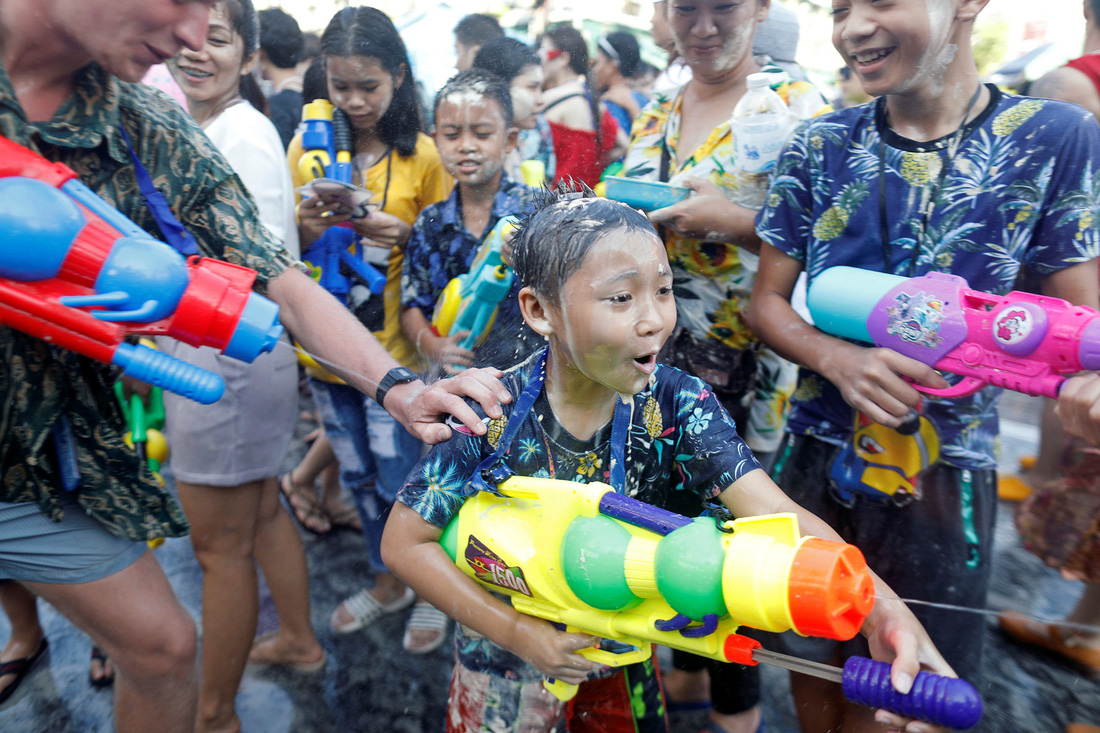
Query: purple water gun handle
x,y
934,699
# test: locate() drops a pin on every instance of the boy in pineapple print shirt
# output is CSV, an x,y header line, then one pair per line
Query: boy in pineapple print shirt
x,y
940,173
596,282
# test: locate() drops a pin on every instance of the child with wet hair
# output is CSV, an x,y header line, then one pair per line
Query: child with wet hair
x,y
941,173
596,284
474,132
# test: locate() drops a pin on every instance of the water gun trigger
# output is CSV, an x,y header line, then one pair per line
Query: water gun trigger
x,y
966,387
631,651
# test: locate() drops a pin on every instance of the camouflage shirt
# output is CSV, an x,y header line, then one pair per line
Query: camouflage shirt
x,y
39,383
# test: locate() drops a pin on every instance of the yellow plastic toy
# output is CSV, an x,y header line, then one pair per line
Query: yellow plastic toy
x,y
601,563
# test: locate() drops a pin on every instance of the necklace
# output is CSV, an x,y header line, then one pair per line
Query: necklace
x,y
952,149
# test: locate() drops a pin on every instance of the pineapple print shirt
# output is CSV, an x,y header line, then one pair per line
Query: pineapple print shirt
x,y
713,280
682,448
1023,189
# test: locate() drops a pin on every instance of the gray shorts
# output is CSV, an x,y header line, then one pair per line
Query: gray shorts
x,y
78,549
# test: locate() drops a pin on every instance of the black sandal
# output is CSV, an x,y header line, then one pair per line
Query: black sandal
x,y
20,668
108,680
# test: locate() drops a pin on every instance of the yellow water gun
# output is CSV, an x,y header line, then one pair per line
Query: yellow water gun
x,y
593,561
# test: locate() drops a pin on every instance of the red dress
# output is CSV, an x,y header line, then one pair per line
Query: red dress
x,y
1089,65
576,150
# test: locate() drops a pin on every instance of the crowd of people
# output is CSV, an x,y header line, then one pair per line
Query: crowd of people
x,y
661,352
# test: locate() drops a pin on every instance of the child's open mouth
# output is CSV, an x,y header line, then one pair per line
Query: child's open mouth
x,y
646,364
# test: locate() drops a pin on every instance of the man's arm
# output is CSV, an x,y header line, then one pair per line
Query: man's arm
x,y
869,379
1068,85
325,328
1078,403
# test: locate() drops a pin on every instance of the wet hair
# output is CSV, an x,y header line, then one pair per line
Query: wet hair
x,y
1094,6
569,39
507,58
364,31
477,29
314,82
311,46
483,84
627,52
245,23
553,242
280,38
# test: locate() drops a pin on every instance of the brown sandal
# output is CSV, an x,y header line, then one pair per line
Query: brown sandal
x,y
306,508
344,516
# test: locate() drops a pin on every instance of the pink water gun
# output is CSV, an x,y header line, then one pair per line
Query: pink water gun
x,y
1018,341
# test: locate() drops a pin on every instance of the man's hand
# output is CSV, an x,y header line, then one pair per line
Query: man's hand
x,y
421,409
1079,407
873,381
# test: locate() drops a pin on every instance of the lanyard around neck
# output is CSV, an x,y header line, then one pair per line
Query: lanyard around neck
x,y
493,471
953,145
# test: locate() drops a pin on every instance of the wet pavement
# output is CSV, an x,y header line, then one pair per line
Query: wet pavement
x,y
370,684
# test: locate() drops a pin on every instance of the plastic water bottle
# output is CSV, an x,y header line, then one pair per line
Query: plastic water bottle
x,y
760,125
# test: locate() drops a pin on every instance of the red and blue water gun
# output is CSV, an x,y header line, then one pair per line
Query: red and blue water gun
x,y
77,273
1019,341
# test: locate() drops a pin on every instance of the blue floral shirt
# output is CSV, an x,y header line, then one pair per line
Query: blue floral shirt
x,y
440,249
682,448
1023,189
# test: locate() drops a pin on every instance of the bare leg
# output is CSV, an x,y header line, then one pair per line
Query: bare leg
x,y
135,618
21,608
317,459
283,562
223,532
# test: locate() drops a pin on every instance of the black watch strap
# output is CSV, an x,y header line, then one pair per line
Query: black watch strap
x,y
397,375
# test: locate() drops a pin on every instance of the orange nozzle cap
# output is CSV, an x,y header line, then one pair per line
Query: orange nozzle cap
x,y
830,589
739,649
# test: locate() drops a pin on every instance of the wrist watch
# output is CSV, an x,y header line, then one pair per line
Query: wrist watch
x,y
397,375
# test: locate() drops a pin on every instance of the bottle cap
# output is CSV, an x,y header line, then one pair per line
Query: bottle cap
x,y
759,79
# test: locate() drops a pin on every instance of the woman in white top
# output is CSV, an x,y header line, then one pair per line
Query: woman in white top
x,y
226,457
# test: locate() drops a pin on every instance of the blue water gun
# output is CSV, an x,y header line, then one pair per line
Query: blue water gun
x,y
470,301
77,273
326,145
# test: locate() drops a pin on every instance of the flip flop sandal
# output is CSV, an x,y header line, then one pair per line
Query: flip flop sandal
x,y
345,518
305,508
365,610
99,656
425,617
313,666
20,667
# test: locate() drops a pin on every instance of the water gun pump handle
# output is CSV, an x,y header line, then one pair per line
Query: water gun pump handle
x,y
934,699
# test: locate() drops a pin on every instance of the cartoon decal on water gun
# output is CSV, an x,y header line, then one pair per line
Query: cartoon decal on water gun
x,y
1019,341
470,301
77,273
325,165
596,562
882,462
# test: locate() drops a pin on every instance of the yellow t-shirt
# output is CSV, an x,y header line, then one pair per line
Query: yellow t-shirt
x,y
408,186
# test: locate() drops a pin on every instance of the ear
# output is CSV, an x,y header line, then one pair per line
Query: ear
x,y
512,140
399,78
250,63
969,9
762,9
535,312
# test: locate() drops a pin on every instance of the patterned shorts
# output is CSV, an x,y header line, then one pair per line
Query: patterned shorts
x,y
627,701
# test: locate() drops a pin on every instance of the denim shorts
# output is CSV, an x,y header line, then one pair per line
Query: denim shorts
x,y
78,549
937,549
375,451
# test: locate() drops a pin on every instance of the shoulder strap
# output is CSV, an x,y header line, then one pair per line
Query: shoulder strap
x,y
174,232
558,101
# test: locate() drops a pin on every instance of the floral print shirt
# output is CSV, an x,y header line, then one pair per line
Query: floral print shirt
x,y
1022,189
440,249
40,383
713,280
682,448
